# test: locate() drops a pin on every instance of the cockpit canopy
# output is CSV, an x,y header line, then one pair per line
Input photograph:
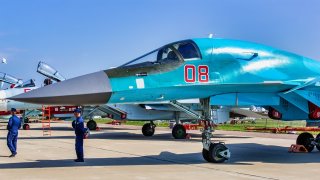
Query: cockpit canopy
x,y
4,77
49,72
179,51
29,83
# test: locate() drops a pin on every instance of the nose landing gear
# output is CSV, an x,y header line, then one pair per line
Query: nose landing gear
x,y
211,152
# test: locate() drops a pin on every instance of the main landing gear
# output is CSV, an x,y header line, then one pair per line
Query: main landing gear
x,y
211,152
26,126
148,129
92,125
179,131
25,120
308,141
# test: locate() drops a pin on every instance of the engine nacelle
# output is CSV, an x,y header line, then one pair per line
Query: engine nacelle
x,y
274,114
314,111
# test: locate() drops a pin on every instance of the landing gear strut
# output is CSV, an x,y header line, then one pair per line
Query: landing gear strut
x,y
25,121
211,152
148,129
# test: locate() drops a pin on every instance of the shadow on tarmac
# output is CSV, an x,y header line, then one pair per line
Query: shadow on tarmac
x,y
243,154
71,129
134,136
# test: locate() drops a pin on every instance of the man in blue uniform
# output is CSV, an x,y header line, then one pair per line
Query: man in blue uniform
x,y
79,131
14,125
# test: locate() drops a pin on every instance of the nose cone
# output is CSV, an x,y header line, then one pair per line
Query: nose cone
x,y
90,89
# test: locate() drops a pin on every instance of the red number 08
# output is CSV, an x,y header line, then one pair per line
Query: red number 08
x,y
190,73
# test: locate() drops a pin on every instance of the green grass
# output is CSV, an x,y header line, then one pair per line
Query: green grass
x,y
259,123
134,123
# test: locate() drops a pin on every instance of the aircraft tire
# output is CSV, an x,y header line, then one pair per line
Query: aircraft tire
x,y
214,150
305,139
26,127
205,155
148,129
92,125
179,131
318,137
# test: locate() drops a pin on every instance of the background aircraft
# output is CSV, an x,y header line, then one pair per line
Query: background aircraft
x,y
19,87
220,72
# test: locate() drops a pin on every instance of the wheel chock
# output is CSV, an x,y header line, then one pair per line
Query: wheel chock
x,y
98,128
296,148
188,136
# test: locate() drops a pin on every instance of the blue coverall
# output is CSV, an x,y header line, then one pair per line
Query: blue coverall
x,y
79,131
14,125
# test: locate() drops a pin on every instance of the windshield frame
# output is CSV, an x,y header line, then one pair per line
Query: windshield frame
x,y
171,45
26,84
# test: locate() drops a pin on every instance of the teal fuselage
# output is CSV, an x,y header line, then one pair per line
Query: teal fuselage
x,y
224,72
233,67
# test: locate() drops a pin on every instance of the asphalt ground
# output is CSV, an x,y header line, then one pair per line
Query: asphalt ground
x,y
122,152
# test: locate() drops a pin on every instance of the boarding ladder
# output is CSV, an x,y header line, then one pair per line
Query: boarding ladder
x,y
46,121
111,112
186,109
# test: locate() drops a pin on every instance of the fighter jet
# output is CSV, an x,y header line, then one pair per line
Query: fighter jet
x,y
16,87
219,72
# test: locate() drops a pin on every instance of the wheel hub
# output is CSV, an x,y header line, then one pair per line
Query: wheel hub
x,y
225,154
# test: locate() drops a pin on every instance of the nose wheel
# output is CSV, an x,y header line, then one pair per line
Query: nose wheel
x,y
217,153
213,152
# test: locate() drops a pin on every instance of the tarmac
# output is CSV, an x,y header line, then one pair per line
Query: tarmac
x,y
122,152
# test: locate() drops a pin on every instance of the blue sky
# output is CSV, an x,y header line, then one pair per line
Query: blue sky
x,y
82,36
